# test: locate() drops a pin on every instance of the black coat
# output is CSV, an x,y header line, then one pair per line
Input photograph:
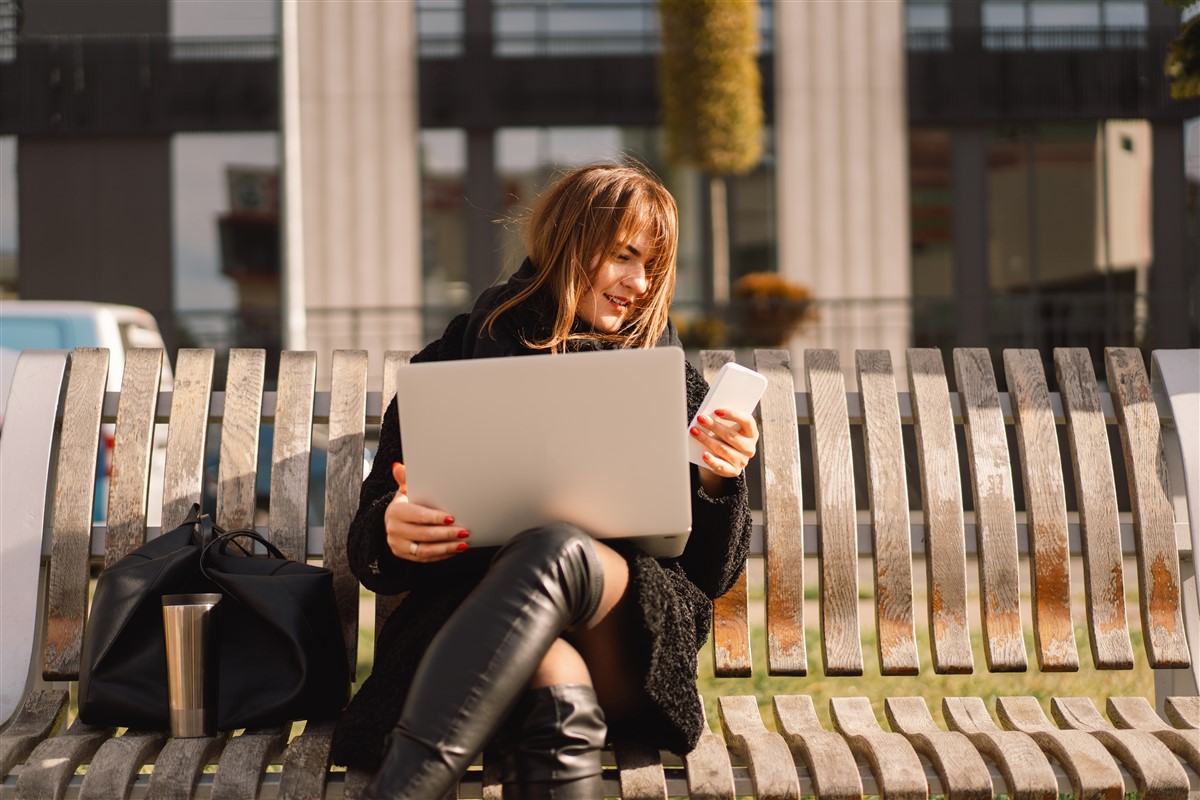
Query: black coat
x,y
673,596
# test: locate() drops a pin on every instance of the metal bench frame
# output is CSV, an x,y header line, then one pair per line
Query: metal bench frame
x,y
49,547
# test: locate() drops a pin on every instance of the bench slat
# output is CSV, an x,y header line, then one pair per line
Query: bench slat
x,y
1153,517
709,770
74,494
1184,712
116,764
42,712
1136,713
49,768
640,770
306,763
772,770
1151,763
1026,770
1092,466
186,435
995,511
783,528
132,446
888,493
343,477
1089,767
731,631
393,360
895,765
941,499
178,768
291,452
837,518
244,762
828,758
958,763
237,474
1046,508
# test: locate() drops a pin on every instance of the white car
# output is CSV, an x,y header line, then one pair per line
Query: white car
x,y
55,325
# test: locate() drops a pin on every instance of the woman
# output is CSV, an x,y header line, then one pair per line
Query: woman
x,y
548,640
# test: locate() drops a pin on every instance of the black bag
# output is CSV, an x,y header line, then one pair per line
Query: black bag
x,y
277,630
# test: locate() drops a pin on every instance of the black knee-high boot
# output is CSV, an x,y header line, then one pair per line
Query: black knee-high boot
x,y
552,745
541,582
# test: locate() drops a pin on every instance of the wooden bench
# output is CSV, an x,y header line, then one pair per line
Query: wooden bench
x,y
957,745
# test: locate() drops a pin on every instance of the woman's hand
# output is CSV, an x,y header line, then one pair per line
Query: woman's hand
x,y
419,533
730,441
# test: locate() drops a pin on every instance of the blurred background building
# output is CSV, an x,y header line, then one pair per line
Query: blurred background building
x,y
347,174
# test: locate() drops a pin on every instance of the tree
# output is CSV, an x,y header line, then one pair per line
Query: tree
x,y
1183,57
712,101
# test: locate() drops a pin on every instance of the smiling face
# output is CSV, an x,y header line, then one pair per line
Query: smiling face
x,y
618,281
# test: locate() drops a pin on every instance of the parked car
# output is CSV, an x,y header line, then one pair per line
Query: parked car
x,y
54,325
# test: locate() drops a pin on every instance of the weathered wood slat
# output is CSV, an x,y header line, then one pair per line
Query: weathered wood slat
x,y
306,763
888,492
731,631
766,753
959,765
42,712
115,765
291,453
640,771
1093,471
1184,712
709,771
782,520
1089,766
393,360
1046,510
1153,766
237,473
133,444
830,763
178,768
244,762
837,517
186,434
1136,713
895,765
343,477
74,493
1153,517
995,511
941,492
48,769
1025,768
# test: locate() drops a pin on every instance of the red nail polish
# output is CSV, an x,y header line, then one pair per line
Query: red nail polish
x,y
462,546
695,431
448,521
719,412
702,419
463,534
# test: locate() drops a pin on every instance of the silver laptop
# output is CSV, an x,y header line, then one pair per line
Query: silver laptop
x,y
597,439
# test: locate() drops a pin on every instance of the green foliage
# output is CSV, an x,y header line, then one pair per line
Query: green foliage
x,y
1183,62
710,83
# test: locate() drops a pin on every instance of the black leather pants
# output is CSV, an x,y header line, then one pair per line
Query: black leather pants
x,y
540,583
552,743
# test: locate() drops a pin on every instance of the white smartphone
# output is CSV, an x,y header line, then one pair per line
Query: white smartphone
x,y
737,389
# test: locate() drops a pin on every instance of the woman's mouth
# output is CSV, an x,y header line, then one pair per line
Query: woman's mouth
x,y
619,302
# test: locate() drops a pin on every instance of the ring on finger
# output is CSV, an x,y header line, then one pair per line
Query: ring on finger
x,y
412,548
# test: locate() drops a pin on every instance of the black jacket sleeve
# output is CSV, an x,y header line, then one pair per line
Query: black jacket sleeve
x,y
720,542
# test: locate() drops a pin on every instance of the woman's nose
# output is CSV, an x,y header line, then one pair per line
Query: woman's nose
x,y
635,278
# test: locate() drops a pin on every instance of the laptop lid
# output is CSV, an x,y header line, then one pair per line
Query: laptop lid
x,y
597,439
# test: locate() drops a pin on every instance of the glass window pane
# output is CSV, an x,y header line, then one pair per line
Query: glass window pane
x,y
1064,15
927,17
1125,14
1003,14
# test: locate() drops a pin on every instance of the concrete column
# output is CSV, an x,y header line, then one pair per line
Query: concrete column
x,y
842,169
353,149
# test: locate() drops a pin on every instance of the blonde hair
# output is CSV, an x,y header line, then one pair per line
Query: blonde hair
x,y
591,212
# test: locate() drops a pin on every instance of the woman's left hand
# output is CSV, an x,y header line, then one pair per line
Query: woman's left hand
x,y
730,441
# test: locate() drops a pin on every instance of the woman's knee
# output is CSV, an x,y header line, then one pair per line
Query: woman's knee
x,y
562,664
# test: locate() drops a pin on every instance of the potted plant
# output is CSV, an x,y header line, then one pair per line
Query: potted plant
x,y
770,309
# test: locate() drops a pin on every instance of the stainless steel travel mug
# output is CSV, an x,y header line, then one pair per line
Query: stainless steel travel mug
x,y
191,663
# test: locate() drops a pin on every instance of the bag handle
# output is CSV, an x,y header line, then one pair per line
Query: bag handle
x,y
223,538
